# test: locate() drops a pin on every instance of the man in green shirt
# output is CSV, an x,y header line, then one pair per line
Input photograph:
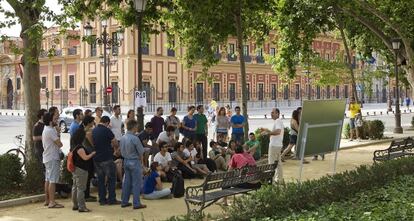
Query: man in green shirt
x,y
253,146
202,129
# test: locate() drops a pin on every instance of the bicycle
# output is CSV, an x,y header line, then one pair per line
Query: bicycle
x,y
20,150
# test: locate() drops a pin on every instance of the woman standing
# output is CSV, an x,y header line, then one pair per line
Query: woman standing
x,y
153,186
81,160
88,123
294,128
173,120
223,125
130,116
189,124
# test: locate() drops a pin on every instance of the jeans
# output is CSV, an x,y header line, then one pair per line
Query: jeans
x,y
202,138
106,169
158,194
79,177
238,138
132,181
273,156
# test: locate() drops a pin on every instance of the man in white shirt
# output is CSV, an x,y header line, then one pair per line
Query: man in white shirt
x,y
51,160
167,136
164,159
276,143
116,128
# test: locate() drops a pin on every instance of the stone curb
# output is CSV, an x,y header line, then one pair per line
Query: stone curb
x,y
368,144
22,201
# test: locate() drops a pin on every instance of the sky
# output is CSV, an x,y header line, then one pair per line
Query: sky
x,y
15,31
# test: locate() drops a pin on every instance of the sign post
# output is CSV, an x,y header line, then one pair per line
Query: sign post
x,y
140,99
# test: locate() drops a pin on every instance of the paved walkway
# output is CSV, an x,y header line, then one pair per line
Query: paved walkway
x,y
348,159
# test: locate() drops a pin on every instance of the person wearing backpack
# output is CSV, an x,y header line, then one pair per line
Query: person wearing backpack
x,y
81,159
153,186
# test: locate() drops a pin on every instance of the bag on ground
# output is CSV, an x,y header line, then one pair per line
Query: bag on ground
x,y
177,188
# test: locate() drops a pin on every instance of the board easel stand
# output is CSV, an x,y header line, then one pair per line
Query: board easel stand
x,y
337,125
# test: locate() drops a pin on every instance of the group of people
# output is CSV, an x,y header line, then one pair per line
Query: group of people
x,y
112,149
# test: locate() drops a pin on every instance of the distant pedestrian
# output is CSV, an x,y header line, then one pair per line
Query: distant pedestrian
x,y
37,135
223,125
237,123
98,115
354,108
88,112
276,143
77,120
407,102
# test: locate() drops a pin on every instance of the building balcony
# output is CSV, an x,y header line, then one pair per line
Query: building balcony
x,y
231,57
260,60
72,51
247,58
58,52
217,56
171,53
145,50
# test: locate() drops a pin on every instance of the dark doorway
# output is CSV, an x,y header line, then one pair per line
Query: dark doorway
x,y
9,94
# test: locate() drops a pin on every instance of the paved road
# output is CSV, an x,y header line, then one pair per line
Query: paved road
x,y
11,126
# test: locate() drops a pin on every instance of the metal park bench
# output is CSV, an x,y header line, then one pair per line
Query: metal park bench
x,y
398,148
223,184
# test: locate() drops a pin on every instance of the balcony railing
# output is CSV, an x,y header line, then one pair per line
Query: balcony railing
x,y
58,52
145,50
43,54
171,52
217,56
231,57
260,59
72,51
247,58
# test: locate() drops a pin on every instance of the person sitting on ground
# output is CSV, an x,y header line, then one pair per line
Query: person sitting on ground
x,y
230,150
190,151
211,165
82,159
253,147
153,186
181,162
163,158
167,136
217,154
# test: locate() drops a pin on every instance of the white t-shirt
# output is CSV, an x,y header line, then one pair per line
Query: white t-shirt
x,y
163,160
116,126
163,137
51,150
277,140
193,153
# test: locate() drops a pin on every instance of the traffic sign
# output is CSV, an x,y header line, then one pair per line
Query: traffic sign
x,y
109,90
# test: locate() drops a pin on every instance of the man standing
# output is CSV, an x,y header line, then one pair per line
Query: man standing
x,y
276,143
103,138
116,128
132,151
77,120
354,108
51,145
237,123
98,113
37,135
202,129
157,123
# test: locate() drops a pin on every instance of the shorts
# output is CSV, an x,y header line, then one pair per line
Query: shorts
x,y
293,138
352,123
52,171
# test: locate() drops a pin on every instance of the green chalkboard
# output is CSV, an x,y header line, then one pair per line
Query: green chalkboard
x,y
320,140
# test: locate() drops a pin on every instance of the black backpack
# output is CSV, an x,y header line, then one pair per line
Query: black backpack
x,y
177,188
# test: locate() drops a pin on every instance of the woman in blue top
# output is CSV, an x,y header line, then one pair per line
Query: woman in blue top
x,y
153,186
189,124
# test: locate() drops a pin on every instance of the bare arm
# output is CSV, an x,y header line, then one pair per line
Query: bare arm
x,y
81,152
58,143
37,138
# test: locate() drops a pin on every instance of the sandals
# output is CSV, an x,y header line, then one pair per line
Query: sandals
x,y
56,206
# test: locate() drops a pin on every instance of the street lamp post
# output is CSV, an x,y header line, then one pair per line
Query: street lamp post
x,y
140,7
308,89
398,129
107,43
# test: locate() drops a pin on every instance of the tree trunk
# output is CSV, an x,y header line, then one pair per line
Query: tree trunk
x,y
239,29
31,84
348,54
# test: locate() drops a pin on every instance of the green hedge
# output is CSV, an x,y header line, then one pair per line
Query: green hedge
x,y
11,174
392,202
283,200
373,129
